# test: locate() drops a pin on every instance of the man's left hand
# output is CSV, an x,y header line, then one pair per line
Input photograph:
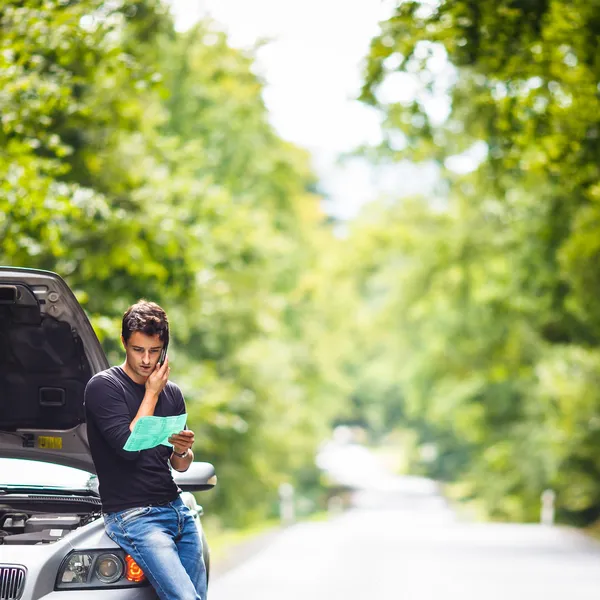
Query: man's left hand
x,y
182,441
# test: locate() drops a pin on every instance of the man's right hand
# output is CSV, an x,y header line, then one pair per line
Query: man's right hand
x,y
155,384
158,378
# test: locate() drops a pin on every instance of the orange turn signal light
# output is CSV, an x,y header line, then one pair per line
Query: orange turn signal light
x,y
133,571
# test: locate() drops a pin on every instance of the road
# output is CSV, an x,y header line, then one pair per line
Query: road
x,y
413,547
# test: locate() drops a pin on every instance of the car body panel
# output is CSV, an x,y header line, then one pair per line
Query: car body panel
x,y
145,593
41,298
74,450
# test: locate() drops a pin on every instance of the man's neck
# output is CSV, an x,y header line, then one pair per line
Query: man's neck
x,y
132,375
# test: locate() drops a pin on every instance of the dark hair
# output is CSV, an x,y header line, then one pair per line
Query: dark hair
x,y
147,317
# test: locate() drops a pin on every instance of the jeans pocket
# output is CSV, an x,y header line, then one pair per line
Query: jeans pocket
x,y
133,513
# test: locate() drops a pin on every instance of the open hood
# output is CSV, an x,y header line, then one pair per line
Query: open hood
x,y
48,352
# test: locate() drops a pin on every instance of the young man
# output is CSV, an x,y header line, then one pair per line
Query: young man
x,y
143,512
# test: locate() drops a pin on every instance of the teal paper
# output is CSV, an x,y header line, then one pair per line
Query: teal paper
x,y
153,431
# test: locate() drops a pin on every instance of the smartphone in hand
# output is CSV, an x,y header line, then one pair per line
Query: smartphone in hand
x,y
163,355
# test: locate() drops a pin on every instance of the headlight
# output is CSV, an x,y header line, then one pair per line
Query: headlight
x,y
99,569
109,568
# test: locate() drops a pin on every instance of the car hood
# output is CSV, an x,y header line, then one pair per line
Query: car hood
x,y
48,352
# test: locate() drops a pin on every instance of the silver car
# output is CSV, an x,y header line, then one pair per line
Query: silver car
x,y
52,539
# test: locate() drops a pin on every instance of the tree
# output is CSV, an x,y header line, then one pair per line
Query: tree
x,y
498,295
136,161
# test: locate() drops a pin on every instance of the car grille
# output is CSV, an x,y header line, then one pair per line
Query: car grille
x,y
66,499
12,582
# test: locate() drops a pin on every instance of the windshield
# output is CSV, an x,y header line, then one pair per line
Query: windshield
x,y
33,473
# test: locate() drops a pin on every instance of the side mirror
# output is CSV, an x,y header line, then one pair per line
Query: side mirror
x,y
198,478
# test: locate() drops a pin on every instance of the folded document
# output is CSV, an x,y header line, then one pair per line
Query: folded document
x,y
149,432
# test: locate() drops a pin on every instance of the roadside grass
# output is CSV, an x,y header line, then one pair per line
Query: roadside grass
x,y
223,542
464,504
593,530
322,515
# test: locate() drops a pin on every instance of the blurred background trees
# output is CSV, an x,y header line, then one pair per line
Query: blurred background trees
x,y
138,161
494,283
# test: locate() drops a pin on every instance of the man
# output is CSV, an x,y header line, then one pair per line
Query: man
x,y
143,512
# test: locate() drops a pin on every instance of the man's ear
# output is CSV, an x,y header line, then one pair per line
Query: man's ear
x,y
124,342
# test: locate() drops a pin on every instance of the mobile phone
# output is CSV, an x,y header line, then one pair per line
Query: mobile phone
x,y
163,355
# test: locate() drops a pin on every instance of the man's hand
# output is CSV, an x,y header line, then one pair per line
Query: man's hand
x,y
158,378
182,441
155,384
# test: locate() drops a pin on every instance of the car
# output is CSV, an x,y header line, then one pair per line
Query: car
x,y
52,539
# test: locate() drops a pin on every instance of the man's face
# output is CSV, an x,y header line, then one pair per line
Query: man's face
x,y
142,353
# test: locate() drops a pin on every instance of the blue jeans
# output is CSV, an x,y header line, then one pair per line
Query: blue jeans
x,y
165,542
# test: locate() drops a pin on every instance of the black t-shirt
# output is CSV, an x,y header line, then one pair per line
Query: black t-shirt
x,y
127,479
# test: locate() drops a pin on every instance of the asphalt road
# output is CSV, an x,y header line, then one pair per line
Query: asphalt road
x,y
413,547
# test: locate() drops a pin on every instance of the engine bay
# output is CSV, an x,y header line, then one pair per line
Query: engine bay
x,y
29,528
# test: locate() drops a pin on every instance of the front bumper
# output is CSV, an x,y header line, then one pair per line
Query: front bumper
x,y
145,593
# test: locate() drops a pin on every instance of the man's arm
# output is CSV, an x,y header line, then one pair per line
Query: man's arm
x,y
154,386
182,441
106,407
182,463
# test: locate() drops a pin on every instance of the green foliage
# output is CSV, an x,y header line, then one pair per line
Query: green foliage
x,y
139,162
487,312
